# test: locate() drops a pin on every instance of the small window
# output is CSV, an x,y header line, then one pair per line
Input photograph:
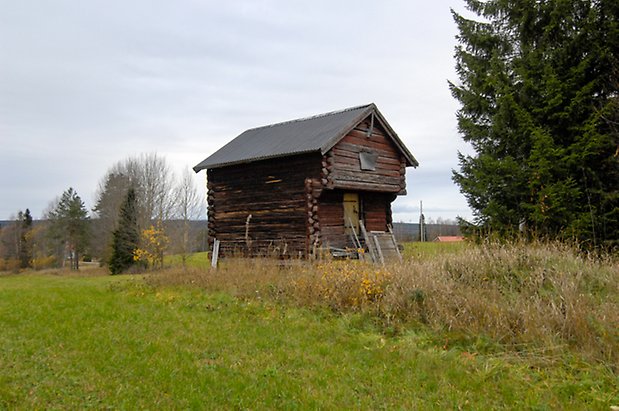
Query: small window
x,y
368,160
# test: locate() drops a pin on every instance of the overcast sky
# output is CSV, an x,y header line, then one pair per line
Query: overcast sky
x,y
84,84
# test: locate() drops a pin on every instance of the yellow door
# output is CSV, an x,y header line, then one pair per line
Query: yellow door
x,y
351,212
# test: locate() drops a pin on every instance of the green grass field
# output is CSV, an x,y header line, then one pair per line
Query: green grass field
x,y
195,260
149,341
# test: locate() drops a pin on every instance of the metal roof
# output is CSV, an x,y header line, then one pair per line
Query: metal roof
x,y
312,134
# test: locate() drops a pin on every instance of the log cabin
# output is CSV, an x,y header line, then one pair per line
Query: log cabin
x,y
299,186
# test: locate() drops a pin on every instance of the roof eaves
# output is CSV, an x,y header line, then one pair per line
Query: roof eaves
x,y
200,167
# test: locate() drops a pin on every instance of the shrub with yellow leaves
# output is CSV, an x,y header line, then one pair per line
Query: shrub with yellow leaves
x,y
351,283
154,243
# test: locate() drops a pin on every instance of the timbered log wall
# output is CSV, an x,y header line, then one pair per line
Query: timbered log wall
x,y
377,211
313,191
344,168
331,216
272,192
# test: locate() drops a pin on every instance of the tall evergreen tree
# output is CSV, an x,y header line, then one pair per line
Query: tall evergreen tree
x,y
110,196
69,226
126,236
538,96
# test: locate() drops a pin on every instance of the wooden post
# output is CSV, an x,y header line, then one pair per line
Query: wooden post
x,y
371,128
215,256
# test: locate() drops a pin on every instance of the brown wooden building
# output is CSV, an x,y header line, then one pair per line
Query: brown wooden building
x,y
291,187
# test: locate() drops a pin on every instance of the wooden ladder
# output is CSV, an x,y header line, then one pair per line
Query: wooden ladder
x,y
382,245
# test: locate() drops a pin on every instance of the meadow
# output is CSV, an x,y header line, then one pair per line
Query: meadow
x,y
457,327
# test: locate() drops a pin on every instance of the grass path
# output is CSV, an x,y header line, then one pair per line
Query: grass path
x,y
71,342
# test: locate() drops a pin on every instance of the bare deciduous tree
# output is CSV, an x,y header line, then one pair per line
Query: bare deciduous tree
x,y
153,181
189,207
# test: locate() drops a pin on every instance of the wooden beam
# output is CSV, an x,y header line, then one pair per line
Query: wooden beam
x,y
371,128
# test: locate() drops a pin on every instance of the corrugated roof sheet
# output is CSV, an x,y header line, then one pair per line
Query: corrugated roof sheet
x,y
311,134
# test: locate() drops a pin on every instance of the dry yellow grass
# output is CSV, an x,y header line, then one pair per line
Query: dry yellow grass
x,y
540,297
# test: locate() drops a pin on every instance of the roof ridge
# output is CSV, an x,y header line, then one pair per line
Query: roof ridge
x,y
298,120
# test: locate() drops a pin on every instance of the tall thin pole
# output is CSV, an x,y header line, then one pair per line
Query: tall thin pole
x,y
422,223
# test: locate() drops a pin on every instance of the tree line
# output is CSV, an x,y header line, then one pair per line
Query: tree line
x,y
141,210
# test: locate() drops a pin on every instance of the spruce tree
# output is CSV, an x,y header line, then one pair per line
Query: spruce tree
x,y
125,238
111,194
69,226
538,96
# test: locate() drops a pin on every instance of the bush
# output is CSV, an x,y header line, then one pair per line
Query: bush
x,y
341,285
44,262
10,264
